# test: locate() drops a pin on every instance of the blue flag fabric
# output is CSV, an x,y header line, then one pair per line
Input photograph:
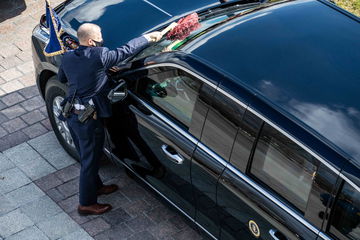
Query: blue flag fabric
x,y
55,45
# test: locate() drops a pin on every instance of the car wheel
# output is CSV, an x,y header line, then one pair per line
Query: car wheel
x,y
54,94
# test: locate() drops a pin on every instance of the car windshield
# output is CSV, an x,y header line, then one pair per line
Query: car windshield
x,y
207,22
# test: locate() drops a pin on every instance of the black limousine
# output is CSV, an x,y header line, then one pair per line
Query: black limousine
x,y
250,126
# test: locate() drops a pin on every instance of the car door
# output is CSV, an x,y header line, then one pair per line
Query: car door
x,y
167,111
211,156
269,189
342,220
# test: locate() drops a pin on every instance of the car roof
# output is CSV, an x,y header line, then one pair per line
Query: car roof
x,y
303,58
123,20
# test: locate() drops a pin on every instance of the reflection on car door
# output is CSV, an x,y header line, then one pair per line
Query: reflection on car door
x,y
169,106
211,156
343,216
268,199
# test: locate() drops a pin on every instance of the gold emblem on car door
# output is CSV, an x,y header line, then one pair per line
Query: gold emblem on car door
x,y
254,228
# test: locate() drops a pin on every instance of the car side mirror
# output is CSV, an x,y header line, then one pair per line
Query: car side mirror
x,y
43,21
118,93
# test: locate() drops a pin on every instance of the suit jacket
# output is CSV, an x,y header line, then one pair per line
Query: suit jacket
x,y
85,70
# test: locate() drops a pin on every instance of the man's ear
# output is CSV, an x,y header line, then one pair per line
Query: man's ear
x,y
91,42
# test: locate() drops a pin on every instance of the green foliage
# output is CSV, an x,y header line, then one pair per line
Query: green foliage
x,y
352,6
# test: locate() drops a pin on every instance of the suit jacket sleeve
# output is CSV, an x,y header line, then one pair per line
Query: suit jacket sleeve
x,y
113,57
61,75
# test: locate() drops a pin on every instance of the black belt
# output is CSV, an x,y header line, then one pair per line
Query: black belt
x,y
77,112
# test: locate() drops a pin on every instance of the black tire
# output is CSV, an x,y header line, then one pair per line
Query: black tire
x,y
55,89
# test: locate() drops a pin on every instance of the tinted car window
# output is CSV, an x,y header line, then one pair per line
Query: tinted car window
x,y
345,216
245,138
206,24
221,125
284,166
322,188
165,45
173,92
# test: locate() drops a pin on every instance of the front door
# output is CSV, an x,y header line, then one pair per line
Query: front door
x,y
167,116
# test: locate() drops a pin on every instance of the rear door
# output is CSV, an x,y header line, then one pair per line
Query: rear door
x,y
265,191
167,113
343,218
211,157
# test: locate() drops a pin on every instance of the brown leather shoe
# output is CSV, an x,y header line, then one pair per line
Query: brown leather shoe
x,y
95,209
107,189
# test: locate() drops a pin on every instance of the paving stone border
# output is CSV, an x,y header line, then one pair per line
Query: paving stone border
x,y
23,116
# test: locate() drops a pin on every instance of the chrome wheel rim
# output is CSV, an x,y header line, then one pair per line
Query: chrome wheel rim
x,y
61,125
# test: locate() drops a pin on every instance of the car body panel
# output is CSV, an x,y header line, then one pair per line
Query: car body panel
x,y
176,182
153,136
212,191
122,20
239,204
293,56
205,173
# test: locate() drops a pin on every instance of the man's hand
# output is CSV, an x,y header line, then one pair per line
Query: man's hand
x,y
153,36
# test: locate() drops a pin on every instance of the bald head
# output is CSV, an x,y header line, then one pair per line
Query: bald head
x,y
88,33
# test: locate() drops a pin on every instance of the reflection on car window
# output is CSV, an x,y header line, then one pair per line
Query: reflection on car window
x,y
284,166
167,45
345,218
245,139
153,48
173,92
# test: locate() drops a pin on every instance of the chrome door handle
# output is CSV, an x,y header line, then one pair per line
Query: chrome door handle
x,y
273,233
176,158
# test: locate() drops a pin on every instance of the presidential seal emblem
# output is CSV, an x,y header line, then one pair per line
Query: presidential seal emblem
x,y
254,228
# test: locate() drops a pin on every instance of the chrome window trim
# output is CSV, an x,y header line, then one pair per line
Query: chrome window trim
x,y
233,169
294,140
213,154
318,157
181,131
349,182
272,198
307,149
324,236
166,120
233,98
179,67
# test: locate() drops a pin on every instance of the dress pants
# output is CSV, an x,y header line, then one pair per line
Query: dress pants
x,y
88,138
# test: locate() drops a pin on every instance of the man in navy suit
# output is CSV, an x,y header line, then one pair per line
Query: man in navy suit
x,y
85,71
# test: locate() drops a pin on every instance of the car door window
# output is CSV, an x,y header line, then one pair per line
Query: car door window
x,y
173,92
345,216
221,125
284,166
245,139
325,182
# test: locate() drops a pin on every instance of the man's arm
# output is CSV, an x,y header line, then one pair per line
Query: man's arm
x,y
113,57
61,75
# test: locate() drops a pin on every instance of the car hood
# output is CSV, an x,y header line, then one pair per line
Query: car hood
x,y
122,20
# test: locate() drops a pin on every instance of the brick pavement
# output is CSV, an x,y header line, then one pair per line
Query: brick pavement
x,y
17,20
22,116
22,111
26,211
39,196
38,180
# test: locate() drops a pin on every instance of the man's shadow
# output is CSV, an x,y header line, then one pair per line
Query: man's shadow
x,y
11,8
